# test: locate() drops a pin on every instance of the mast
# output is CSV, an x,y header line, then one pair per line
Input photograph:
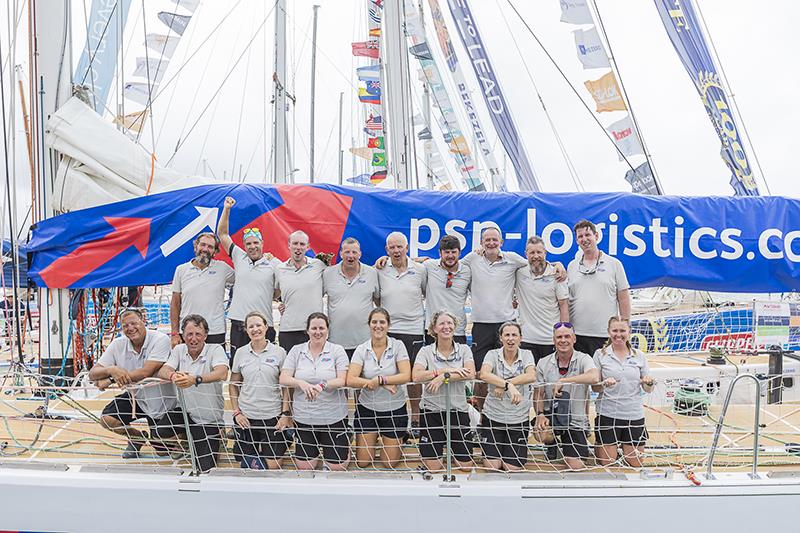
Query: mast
x,y
280,127
397,94
313,92
426,110
341,153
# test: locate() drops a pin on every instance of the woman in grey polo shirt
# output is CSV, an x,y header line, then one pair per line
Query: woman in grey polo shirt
x,y
620,414
506,417
316,372
260,408
444,360
381,368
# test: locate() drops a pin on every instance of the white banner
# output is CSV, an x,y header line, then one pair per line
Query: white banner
x,y
625,137
576,12
591,52
138,92
163,45
153,69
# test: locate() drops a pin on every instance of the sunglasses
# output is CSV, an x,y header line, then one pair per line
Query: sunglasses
x,y
252,232
449,282
563,325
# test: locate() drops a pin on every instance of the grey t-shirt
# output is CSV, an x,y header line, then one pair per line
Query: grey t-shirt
x,y
254,286
623,400
538,303
547,373
154,400
438,296
593,296
260,391
381,400
430,359
501,409
301,292
331,405
493,286
401,295
205,402
349,303
203,292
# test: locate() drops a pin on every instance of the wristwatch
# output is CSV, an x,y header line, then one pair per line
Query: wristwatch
x,y
506,387
198,380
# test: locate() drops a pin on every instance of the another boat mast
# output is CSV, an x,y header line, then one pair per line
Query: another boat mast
x,y
396,93
280,128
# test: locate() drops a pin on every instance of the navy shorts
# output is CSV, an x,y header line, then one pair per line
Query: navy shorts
x,y
508,442
331,440
413,344
388,424
433,438
124,409
609,430
260,442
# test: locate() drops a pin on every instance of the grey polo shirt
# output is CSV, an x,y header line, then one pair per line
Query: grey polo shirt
x,y
260,391
254,286
381,400
154,400
593,297
623,400
204,402
538,303
501,409
493,286
331,405
401,295
349,303
430,359
203,292
439,297
301,292
547,372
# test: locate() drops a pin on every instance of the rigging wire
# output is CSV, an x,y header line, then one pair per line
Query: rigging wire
x,y
241,106
149,106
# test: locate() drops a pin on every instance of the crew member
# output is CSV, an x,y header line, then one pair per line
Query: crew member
x,y
447,286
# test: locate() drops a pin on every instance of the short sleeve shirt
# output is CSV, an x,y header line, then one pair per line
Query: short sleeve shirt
x,y
381,400
349,303
547,372
204,403
501,409
430,359
493,286
154,400
260,393
331,405
593,296
401,295
623,400
440,297
203,292
301,292
254,286
538,303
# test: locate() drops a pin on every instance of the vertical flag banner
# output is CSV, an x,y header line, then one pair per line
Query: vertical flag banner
x,y
99,57
689,42
591,52
576,12
175,22
625,137
493,94
641,179
606,93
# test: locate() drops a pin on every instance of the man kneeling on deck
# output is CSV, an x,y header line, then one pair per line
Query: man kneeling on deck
x,y
137,355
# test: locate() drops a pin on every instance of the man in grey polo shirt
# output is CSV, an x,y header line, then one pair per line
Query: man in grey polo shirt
x,y
135,356
255,279
598,290
198,370
543,301
353,290
447,286
299,280
198,288
561,398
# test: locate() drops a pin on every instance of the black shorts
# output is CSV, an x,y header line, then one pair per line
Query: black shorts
x,y
413,344
508,442
460,339
433,439
216,338
539,351
388,424
288,339
618,431
124,409
331,440
349,352
206,439
573,442
239,337
260,442
589,345
485,337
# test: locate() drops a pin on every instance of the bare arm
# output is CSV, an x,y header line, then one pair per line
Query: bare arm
x,y
354,378
233,389
563,310
222,228
175,318
590,377
624,301
529,376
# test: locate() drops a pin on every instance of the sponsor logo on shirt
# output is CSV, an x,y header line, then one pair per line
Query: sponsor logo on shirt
x,y
326,360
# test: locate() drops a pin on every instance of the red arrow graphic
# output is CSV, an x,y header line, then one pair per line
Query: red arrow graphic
x,y
70,268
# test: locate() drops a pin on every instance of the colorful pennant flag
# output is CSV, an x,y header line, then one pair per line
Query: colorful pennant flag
x,y
371,73
362,152
375,32
425,134
624,135
591,52
374,123
379,159
377,177
375,15
361,179
375,142
374,87
176,23
606,93
163,45
366,49
368,98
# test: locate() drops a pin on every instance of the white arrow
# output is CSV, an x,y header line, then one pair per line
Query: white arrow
x,y
206,219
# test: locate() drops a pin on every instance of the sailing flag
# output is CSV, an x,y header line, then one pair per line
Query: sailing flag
x,y
190,5
132,121
689,42
375,142
367,49
153,68
576,12
371,73
421,51
606,93
459,145
591,52
375,15
374,87
362,152
138,92
641,179
375,32
374,123
175,22
361,179
625,137
368,98
377,177
163,45
379,159
425,134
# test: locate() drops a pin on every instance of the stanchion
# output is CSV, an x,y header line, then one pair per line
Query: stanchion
x,y
448,454
192,452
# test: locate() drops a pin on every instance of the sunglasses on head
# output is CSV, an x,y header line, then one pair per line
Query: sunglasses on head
x,y
563,325
252,232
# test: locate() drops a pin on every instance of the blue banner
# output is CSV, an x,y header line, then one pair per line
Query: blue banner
x,y
99,58
687,38
493,94
737,244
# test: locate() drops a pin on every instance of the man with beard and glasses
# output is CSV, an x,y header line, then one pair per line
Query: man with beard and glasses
x,y
448,284
198,288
